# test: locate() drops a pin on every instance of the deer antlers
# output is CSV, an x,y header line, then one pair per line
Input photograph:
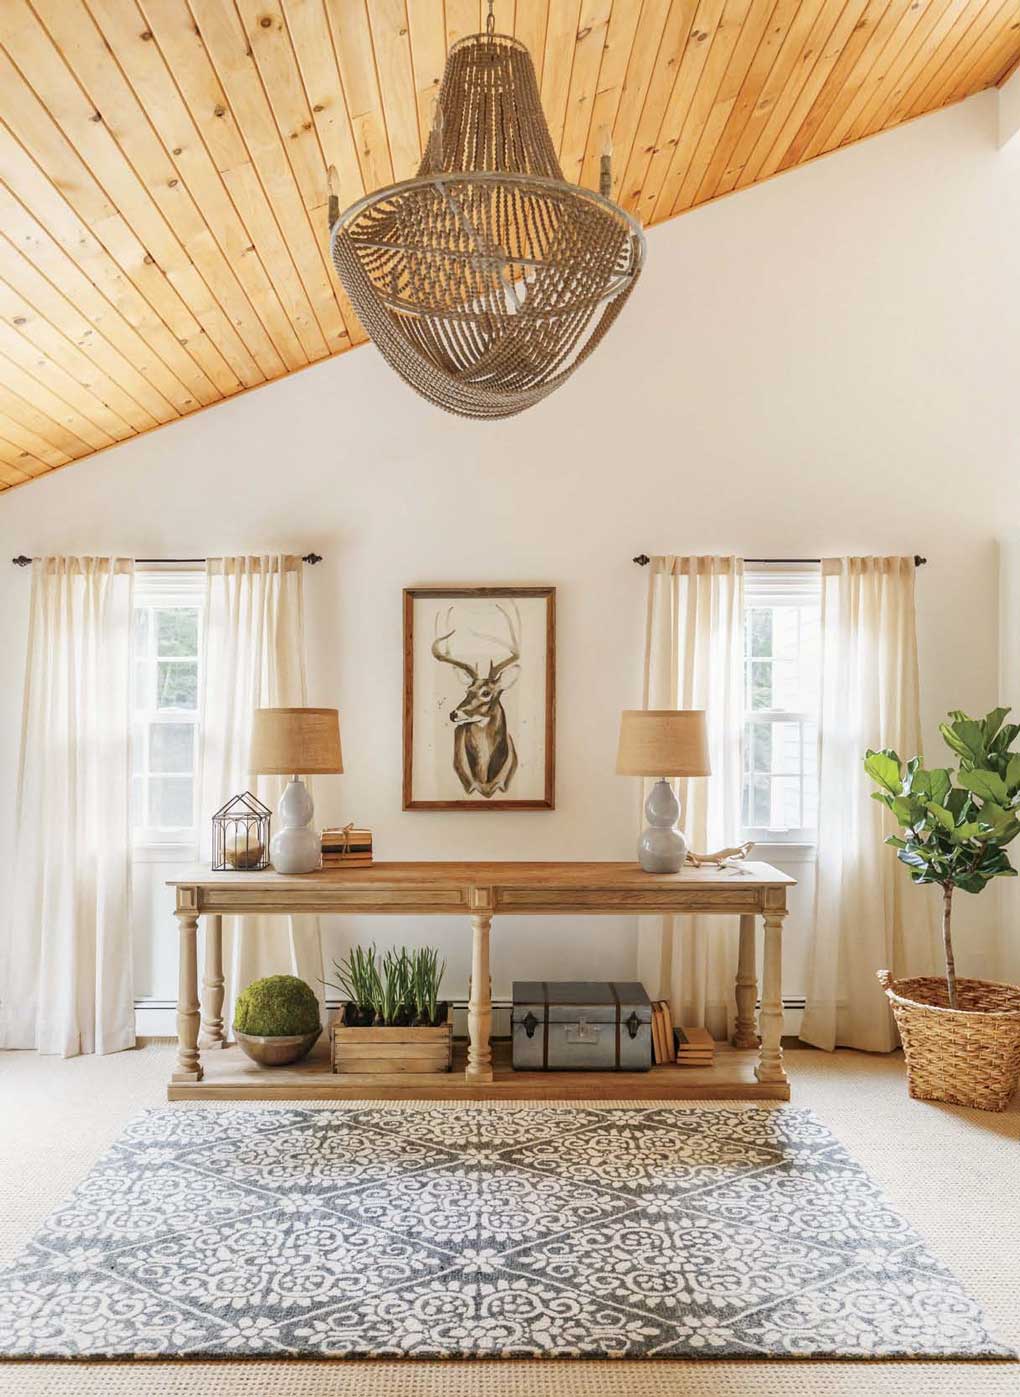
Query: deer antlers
x,y
442,652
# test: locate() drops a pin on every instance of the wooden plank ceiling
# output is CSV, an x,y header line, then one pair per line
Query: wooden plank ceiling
x,y
162,162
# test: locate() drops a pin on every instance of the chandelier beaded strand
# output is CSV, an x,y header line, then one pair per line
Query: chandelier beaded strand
x,y
488,278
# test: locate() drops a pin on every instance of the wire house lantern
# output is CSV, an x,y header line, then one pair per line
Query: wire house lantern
x,y
240,835
487,279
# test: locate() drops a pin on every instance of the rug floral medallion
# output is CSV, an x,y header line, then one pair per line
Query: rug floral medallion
x,y
454,1231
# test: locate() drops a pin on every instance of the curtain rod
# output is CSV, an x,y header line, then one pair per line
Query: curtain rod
x,y
643,560
311,558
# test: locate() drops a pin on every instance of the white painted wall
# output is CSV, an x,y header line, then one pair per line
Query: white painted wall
x,y
827,363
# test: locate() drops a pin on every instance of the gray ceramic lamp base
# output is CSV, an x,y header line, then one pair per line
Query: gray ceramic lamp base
x,y
662,848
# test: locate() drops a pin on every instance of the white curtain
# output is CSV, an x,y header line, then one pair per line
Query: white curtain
x,y
868,915
253,657
65,961
694,659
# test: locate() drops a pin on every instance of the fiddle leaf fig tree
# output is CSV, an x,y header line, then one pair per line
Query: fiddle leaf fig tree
x,y
956,824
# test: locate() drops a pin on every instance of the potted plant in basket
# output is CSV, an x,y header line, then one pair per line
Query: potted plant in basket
x,y
392,1020
961,1037
276,1020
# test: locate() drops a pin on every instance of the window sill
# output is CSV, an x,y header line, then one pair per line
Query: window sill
x,y
186,852
772,851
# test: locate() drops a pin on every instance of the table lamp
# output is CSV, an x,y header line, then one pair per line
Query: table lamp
x,y
662,742
296,742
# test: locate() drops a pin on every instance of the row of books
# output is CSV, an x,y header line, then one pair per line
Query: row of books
x,y
343,847
686,1047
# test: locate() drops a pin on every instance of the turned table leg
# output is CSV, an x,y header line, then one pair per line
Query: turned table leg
x,y
189,1066
745,1034
212,1035
770,1056
479,1063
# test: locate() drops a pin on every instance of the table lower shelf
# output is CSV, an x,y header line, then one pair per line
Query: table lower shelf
x,y
231,1076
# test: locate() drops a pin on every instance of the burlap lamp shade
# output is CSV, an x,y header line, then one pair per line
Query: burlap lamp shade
x,y
663,742
301,741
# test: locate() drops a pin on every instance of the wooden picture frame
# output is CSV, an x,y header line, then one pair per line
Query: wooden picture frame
x,y
463,750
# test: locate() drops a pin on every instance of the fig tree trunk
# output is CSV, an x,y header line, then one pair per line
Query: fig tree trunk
x,y
947,942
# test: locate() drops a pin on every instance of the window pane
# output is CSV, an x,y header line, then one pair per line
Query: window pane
x,y
177,684
171,746
759,746
785,749
141,636
145,673
171,802
760,631
761,796
785,803
177,632
761,684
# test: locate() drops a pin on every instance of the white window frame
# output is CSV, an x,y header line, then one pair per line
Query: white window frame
x,y
771,585
159,587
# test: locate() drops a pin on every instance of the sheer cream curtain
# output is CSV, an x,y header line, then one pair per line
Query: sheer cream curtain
x,y
65,961
867,913
253,657
694,658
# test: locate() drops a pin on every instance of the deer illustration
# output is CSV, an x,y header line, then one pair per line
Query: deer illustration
x,y
484,756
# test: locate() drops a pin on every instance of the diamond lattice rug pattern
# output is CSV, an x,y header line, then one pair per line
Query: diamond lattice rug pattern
x,y
431,1230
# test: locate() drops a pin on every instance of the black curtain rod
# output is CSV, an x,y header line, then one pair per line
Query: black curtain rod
x,y
311,558
643,560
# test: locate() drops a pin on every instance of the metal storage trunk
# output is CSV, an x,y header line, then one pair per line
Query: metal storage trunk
x,y
578,1025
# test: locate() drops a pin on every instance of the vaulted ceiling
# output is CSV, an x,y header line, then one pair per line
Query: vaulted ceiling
x,y
163,238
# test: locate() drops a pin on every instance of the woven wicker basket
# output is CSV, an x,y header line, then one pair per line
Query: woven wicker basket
x,y
969,1055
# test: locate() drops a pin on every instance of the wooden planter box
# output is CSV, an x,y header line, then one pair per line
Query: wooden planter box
x,y
392,1051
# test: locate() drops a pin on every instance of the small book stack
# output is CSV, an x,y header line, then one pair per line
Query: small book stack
x,y
343,848
686,1047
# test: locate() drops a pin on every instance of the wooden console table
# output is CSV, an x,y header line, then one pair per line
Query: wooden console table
x,y
481,891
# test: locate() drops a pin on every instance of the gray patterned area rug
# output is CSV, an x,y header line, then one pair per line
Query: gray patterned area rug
x,y
456,1231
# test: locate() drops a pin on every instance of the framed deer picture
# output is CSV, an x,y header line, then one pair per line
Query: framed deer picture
x,y
479,698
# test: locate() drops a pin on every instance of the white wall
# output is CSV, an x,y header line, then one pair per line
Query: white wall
x,y
827,363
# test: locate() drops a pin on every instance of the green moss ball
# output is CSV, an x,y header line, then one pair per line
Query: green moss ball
x,y
277,1006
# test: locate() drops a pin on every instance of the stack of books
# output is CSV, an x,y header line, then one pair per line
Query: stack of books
x,y
342,848
686,1047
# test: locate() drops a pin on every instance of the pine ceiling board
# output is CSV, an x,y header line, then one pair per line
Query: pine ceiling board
x,y
388,24
666,75
427,38
560,41
297,138
589,48
32,444
963,50
824,17
618,48
708,18
531,18
713,106
813,85
38,266
751,88
208,283
41,305
163,238
181,45
846,77
184,294
139,57
232,52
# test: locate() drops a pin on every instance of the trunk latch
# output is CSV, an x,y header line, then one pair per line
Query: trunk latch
x,y
633,1025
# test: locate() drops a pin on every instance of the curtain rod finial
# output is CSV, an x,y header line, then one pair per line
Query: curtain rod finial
x,y
312,558
642,560
919,562
21,561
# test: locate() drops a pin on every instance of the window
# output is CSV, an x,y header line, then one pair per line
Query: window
x,y
166,686
781,674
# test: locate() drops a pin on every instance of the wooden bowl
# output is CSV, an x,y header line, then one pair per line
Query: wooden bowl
x,y
278,1051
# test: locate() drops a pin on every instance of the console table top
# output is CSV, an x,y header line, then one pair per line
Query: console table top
x,y
603,876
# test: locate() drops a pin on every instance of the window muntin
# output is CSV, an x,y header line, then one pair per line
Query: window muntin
x,y
166,638
781,680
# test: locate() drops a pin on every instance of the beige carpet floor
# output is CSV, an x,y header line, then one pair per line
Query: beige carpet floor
x,y
953,1173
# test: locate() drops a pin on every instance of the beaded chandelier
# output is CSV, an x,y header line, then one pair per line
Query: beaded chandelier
x,y
487,279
